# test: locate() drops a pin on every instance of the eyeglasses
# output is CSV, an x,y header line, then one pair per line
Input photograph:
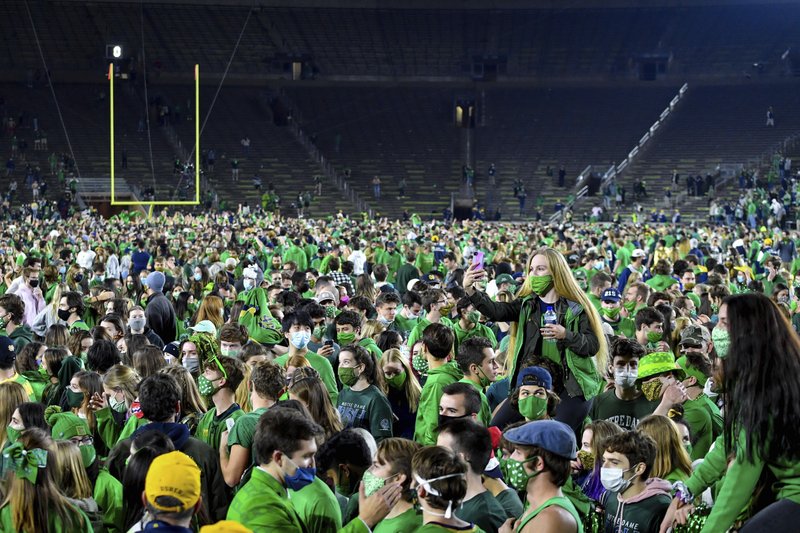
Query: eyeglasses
x,y
82,440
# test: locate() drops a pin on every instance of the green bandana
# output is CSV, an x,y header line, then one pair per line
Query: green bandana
x,y
652,390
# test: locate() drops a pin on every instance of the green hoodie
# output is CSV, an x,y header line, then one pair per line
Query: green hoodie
x,y
21,337
428,411
371,347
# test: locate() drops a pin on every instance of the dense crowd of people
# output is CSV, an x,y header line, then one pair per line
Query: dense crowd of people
x,y
241,372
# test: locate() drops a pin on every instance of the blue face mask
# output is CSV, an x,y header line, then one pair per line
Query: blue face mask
x,y
301,478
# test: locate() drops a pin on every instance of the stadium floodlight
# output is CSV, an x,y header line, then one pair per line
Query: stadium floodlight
x,y
116,51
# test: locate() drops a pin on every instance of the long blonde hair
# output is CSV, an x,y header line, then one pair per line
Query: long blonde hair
x,y
566,287
70,472
411,386
670,454
124,378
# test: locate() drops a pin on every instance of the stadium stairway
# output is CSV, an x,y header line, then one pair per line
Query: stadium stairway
x,y
715,125
274,154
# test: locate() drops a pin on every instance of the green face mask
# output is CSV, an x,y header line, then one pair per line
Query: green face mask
x,y
533,407
654,336
611,313
88,455
398,380
688,448
43,372
347,375
12,434
420,364
722,341
630,306
474,317
346,338
540,285
517,476
74,399
206,386
318,332
652,390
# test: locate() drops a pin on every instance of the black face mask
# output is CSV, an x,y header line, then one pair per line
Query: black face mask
x,y
64,314
444,419
78,278
34,283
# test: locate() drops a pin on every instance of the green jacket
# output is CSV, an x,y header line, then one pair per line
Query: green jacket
x,y
739,481
428,410
577,348
108,495
263,506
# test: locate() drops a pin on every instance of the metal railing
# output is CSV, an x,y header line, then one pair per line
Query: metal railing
x,y
616,170
327,168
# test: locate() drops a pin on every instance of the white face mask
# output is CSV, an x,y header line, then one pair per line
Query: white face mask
x,y
299,339
625,378
612,479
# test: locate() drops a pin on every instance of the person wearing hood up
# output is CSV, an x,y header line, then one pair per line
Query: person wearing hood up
x,y
633,500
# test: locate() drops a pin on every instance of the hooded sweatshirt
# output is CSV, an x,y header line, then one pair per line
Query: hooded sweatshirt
x,y
642,512
428,410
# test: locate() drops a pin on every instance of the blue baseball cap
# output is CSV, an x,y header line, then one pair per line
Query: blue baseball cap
x,y
551,435
610,295
535,375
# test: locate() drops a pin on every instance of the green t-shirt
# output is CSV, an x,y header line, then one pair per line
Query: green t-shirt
x,y
510,502
483,511
402,523
317,506
321,365
625,413
211,426
368,409
245,428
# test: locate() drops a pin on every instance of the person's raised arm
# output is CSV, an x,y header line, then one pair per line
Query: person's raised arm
x,y
496,311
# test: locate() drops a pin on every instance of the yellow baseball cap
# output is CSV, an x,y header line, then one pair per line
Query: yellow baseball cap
x,y
225,526
172,484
